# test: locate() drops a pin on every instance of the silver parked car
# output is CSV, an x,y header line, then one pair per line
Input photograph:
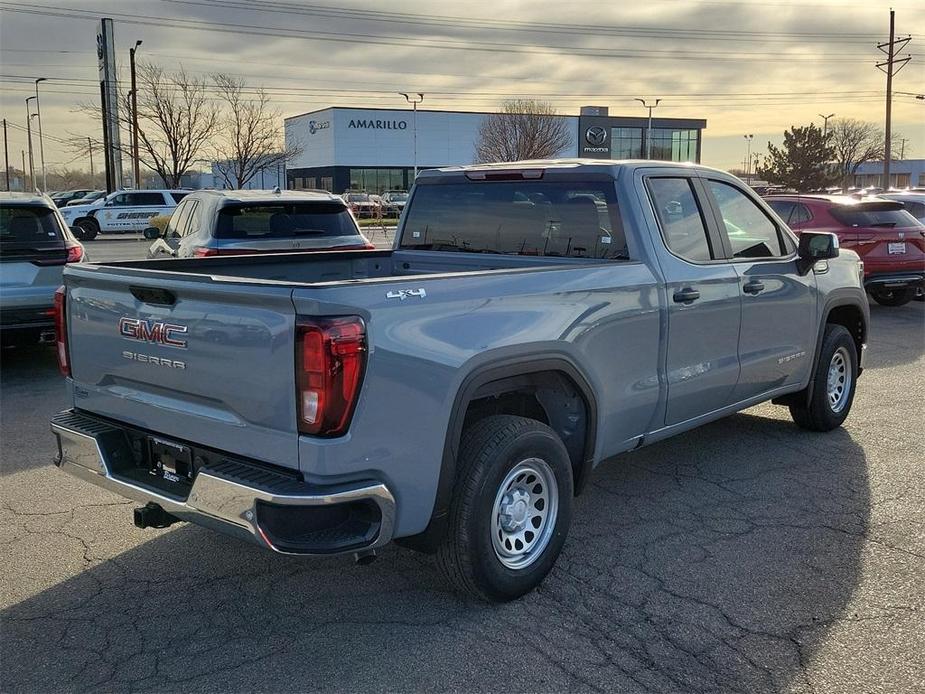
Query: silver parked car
x,y
35,245
241,222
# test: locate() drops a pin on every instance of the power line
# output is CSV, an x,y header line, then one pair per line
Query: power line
x,y
509,25
405,42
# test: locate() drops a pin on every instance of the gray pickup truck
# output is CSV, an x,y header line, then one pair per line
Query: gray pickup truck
x,y
454,393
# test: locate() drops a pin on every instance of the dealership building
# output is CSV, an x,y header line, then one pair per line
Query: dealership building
x,y
373,150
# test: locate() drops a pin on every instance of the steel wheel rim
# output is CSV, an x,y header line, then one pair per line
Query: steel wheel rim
x,y
838,380
523,515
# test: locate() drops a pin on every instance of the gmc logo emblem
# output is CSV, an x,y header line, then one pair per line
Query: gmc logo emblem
x,y
156,332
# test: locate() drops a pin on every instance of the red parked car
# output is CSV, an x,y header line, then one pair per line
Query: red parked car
x,y
890,241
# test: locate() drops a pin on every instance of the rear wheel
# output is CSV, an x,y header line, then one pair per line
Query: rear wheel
x,y
833,383
893,297
511,510
88,229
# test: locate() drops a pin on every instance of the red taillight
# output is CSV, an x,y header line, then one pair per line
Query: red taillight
x,y
64,362
203,252
74,253
330,360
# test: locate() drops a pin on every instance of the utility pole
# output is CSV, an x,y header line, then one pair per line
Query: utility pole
x,y
902,149
891,66
825,125
29,137
38,111
748,158
649,129
414,101
23,152
136,172
6,156
90,150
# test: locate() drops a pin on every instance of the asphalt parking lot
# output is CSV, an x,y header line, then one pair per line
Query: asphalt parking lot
x,y
747,556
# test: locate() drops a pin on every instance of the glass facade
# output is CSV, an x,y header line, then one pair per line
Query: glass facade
x,y
671,144
377,181
668,144
626,143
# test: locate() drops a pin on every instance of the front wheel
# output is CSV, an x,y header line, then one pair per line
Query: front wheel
x,y
511,510
893,297
833,383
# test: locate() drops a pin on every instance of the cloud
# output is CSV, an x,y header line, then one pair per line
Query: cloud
x,y
762,84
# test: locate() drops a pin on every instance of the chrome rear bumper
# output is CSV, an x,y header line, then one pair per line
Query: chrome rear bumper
x,y
226,497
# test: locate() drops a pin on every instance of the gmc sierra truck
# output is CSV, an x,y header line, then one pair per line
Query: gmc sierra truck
x,y
454,393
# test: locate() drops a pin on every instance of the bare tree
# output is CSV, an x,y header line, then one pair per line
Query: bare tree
x,y
853,142
250,136
176,118
524,129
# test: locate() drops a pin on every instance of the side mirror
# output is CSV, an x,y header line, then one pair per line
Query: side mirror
x,y
151,233
816,246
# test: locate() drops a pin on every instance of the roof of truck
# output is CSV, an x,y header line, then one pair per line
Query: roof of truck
x,y
572,163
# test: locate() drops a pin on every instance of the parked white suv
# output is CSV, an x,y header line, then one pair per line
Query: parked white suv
x,y
122,211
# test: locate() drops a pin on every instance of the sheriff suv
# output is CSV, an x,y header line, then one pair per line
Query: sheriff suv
x,y
122,211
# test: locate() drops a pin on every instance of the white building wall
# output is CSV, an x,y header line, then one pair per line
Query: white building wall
x,y
385,137
313,133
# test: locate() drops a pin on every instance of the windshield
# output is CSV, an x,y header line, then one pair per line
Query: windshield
x,y
576,219
358,197
398,197
860,217
274,221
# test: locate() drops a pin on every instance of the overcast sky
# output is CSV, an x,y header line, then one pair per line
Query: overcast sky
x,y
745,66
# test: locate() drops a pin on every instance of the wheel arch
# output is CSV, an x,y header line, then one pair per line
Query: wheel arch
x,y
555,381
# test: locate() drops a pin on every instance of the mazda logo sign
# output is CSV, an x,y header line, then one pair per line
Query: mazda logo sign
x,y
596,135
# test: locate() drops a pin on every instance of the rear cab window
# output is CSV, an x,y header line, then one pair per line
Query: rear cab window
x,y
285,220
549,218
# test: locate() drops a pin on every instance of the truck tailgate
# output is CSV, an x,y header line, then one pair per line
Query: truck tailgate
x,y
207,362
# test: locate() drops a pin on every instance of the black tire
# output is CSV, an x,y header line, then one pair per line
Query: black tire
x,y
819,414
491,449
88,229
893,297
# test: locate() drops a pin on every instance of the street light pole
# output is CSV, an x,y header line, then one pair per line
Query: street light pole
x,y
825,125
38,111
414,101
748,159
136,171
6,156
29,137
649,128
90,150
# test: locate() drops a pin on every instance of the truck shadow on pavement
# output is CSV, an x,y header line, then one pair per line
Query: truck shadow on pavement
x,y
714,561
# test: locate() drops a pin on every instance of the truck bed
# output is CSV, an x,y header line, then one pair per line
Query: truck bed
x,y
339,266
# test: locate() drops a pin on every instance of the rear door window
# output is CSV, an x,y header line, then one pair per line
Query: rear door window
x,y
680,218
573,219
177,197
285,220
